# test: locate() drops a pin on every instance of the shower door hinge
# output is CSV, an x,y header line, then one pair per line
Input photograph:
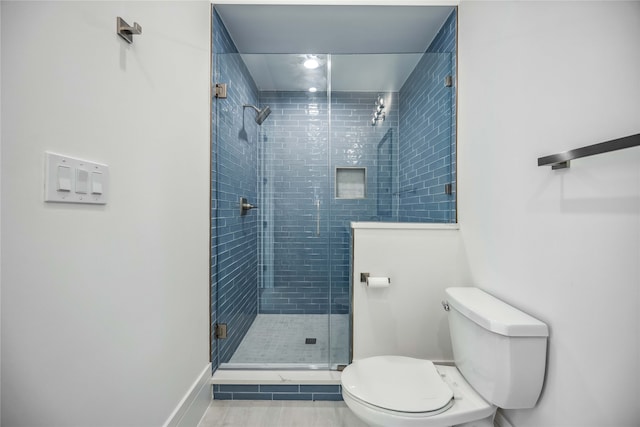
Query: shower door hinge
x,y
221,331
448,81
448,189
221,90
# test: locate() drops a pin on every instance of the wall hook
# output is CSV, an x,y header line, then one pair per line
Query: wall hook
x,y
126,31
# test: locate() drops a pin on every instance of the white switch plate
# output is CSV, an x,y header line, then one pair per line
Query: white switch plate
x,y
52,193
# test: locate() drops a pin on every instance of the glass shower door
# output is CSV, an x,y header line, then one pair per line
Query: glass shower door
x,y
272,269
235,231
294,270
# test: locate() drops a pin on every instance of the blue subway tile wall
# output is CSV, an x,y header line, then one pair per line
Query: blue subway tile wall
x,y
234,174
427,127
306,228
293,190
277,392
356,143
445,42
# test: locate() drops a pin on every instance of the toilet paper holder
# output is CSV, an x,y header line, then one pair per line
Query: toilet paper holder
x,y
375,282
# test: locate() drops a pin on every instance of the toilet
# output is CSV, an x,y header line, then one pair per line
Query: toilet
x,y
499,355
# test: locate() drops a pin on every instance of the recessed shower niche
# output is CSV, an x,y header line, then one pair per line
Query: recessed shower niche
x,y
365,136
351,183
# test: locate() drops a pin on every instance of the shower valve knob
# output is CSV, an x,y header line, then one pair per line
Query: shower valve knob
x,y
245,206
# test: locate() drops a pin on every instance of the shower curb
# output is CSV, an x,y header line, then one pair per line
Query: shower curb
x,y
276,385
310,392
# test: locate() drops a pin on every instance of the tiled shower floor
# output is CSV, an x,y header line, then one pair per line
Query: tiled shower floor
x,y
280,339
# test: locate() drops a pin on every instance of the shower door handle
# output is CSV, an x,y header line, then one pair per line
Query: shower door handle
x,y
317,217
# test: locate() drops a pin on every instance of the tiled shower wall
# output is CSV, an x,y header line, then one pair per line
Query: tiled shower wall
x,y
414,192
356,143
293,157
301,182
427,132
234,174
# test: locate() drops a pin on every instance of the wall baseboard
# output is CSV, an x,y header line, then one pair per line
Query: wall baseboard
x,y
501,421
194,404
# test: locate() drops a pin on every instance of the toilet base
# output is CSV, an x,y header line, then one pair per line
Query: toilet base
x,y
485,422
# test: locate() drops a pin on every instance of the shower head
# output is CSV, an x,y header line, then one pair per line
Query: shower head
x,y
262,114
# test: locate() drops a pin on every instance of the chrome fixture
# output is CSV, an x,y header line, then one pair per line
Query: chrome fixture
x,y
220,331
448,189
245,206
445,305
262,114
126,31
563,160
378,114
317,217
220,90
448,81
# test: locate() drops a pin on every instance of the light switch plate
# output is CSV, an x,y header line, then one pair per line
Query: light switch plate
x,y
79,189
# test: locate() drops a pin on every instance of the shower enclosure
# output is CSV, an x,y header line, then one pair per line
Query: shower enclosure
x,y
312,149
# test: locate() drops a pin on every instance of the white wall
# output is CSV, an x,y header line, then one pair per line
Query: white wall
x,y
406,318
104,308
536,78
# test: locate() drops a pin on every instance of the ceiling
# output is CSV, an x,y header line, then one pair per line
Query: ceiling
x,y
391,40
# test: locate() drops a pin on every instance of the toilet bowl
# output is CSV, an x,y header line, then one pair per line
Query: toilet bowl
x,y
500,358
402,391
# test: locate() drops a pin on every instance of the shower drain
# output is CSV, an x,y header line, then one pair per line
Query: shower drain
x,y
310,341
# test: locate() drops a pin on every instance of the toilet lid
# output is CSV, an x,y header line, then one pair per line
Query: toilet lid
x,y
397,383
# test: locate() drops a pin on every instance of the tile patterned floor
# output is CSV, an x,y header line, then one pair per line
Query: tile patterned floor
x,y
280,338
247,413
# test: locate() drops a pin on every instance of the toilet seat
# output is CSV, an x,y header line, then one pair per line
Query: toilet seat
x,y
417,387
466,406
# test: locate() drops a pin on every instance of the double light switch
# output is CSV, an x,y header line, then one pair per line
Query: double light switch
x,y
70,180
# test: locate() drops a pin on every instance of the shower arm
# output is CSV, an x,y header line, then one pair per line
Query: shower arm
x,y
251,106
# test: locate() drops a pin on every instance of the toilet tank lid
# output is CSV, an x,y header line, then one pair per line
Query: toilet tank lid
x,y
494,315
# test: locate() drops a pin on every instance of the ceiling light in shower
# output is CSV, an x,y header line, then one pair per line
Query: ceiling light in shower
x,y
313,89
311,62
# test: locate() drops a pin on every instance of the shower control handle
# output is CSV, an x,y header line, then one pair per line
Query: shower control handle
x,y
317,218
245,206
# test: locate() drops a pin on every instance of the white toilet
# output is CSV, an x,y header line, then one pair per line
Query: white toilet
x,y
500,358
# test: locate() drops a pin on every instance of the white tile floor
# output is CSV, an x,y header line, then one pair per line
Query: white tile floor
x,y
257,413
280,338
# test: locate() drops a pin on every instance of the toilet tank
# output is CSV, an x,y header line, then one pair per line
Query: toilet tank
x,y
500,350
